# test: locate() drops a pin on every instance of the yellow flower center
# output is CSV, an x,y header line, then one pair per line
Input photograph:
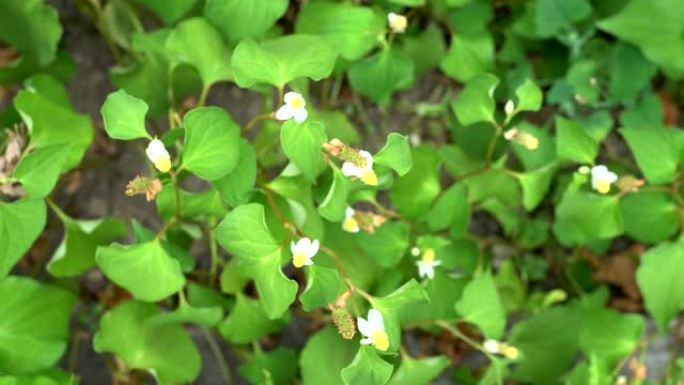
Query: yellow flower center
x,y
369,178
380,340
297,103
163,164
299,259
602,186
350,225
428,255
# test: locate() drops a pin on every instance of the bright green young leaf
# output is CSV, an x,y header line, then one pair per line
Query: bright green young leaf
x,y
243,233
233,279
196,42
337,125
193,205
630,72
556,16
248,322
236,186
34,325
248,18
581,217
609,334
475,103
367,368
380,75
282,60
32,28
354,30
212,142
323,286
660,282
21,222
408,3
165,351
659,36
413,193
481,305
396,154
124,116
324,356
169,12
657,151
469,56
573,142
535,184
297,193
387,245
146,270
39,170
451,209
529,97
443,292
185,313
76,253
335,203
275,366
650,216
419,372
303,145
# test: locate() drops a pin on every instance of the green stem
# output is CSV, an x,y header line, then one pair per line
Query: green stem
x,y
457,333
218,356
213,250
203,96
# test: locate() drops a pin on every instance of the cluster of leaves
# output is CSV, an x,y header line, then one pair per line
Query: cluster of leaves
x,y
528,99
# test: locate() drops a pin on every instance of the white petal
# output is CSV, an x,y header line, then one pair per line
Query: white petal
x,y
364,327
308,262
391,16
436,263
292,96
375,320
313,248
350,169
611,177
300,115
156,149
366,341
599,170
285,112
430,272
294,247
348,212
369,159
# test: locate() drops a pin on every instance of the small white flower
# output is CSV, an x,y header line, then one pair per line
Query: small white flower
x,y
602,178
509,107
427,264
303,251
373,330
294,107
350,224
364,172
158,155
510,134
491,346
397,23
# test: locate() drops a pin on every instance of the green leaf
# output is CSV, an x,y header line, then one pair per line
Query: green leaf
x,y
475,103
555,16
335,203
660,282
124,116
657,151
324,356
275,366
296,191
323,286
146,270
76,252
650,216
630,72
165,351
34,324
574,144
193,205
248,18
425,50
419,372
529,96
387,245
198,43
396,154
451,209
282,60
535,184
581,217
212,141
354,30
32,28
39,170
169,12
22,222
481,305
51,124
303,145
443,292
367,368
380,75
337,125
609,334
469,56
185,313
244,234
236,186
413,193
548,344
248,322
659,36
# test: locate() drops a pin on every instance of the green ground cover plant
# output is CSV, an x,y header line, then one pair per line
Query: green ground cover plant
x,y
423,191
